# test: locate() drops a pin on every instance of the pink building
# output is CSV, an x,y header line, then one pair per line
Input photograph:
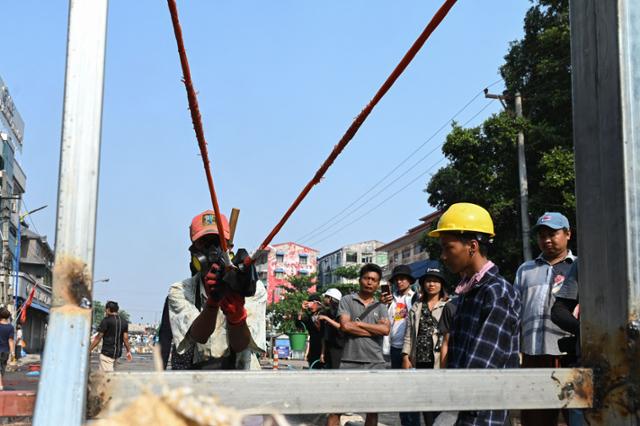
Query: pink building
x,y
286,260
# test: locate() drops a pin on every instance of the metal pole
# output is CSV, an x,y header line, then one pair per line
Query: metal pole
x,y
605,67
63,384
524,190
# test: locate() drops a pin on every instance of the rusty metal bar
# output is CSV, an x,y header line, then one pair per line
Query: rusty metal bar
x,y
62,388
335,391
605,55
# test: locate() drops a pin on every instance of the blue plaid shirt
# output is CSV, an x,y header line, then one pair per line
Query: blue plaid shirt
x,y
485,334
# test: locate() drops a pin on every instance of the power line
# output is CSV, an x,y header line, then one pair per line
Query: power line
x,y
316,234
308,235
383,201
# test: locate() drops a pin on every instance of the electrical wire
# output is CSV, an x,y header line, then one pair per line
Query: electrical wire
x,y
362,116
312,240
399,165
382,202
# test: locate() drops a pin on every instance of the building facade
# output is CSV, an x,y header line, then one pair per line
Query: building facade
x,y
285,260
350,255
36,266
12,186
407,248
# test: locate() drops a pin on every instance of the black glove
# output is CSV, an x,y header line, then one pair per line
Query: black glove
x,y
242,279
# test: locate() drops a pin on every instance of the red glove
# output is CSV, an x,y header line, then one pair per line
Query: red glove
x,y
232,305
213,286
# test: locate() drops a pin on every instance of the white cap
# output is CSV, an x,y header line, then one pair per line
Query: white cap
x,y
334,293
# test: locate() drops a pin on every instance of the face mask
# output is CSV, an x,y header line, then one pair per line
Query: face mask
x,y
202,260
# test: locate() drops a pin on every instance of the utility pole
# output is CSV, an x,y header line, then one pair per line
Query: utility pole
x,y
522,172
524,188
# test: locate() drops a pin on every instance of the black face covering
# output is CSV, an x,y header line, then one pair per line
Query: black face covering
x,y
202,260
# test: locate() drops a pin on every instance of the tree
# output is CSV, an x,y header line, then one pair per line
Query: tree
x,y
351,272
284,313
124,315
98,313
483,167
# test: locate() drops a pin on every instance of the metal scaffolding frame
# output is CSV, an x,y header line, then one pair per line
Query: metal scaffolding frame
x,y
606,87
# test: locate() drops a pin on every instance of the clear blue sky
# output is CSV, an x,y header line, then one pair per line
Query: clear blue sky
x,y
278,82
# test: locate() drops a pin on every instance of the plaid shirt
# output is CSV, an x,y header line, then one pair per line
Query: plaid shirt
x,y
485,334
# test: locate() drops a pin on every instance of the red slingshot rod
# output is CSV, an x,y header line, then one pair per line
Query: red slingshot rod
x,y
357,122
196,118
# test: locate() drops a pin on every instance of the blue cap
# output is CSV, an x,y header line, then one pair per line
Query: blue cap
x,y
553,220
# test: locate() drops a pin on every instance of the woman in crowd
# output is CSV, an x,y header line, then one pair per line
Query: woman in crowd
x,y
426,337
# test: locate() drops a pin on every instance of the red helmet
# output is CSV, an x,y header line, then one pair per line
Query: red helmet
x,y
205,223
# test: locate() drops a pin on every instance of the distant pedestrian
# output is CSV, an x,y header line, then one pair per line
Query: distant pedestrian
x,y
114,333
7,342
364,322
400,302
308,319
19,342
427,335
538,281
485,332
333,339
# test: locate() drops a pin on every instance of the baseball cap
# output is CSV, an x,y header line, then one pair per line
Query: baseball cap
x,y
553,220
205,223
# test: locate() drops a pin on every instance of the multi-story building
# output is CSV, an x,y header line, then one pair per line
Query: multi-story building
x,y
407,248
12,186
285,260
36,265
350,255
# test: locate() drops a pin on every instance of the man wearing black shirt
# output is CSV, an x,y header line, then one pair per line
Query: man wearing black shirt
x,y
114,333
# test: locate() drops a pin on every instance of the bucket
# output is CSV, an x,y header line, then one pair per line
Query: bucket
x,y
298,341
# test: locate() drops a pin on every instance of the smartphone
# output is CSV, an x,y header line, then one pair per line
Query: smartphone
x,y
385,288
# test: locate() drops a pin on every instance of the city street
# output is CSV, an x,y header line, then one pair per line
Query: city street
x,y
20,379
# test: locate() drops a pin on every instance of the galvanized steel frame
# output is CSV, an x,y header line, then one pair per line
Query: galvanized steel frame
x,y
605,50
606,87
62,388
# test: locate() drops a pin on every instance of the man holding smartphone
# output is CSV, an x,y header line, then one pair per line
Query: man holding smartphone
x,y
400,302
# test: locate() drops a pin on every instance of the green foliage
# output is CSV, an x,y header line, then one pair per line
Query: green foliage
x,y
124,315
345,288
483,165
98,313
302,282
351,272
284,313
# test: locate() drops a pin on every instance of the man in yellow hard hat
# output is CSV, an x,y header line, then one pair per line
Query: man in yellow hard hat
x,y
485,331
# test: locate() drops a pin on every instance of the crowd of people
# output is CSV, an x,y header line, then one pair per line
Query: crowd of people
x,y
486,323
215,319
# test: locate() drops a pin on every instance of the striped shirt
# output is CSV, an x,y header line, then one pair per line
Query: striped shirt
x,y
537,282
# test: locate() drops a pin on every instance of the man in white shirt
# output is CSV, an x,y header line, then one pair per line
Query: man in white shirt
x,y
403,297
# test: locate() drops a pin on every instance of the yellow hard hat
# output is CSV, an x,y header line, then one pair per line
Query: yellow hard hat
x,y
464,217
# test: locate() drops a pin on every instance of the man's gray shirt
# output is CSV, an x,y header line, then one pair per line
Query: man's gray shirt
x,y
362,348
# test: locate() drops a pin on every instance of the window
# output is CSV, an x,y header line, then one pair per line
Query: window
x,y
262,275
303,258
417,248
280,257
396,257
279,273
352,257
367,257
406,253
